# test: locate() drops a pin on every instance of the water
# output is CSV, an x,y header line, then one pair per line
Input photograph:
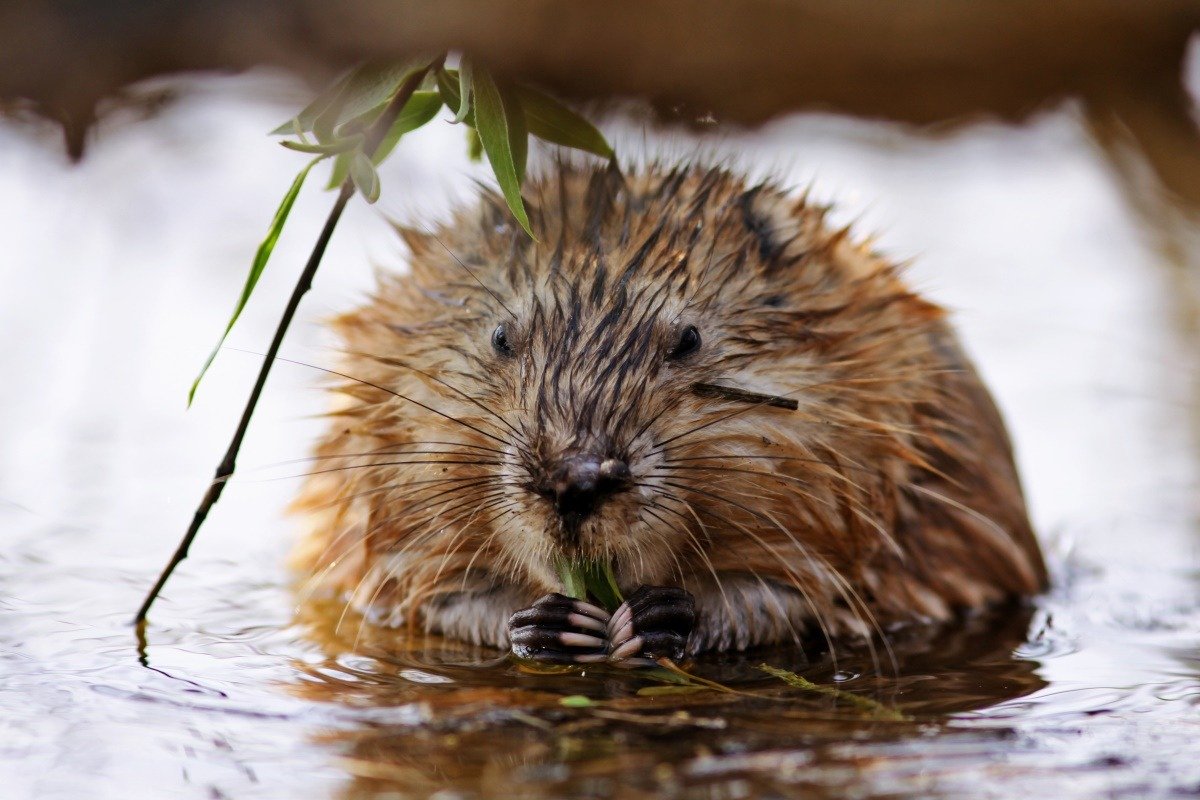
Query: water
x,y
118,274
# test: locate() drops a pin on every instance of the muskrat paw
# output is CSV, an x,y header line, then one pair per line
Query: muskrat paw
x,y
560,630
653,623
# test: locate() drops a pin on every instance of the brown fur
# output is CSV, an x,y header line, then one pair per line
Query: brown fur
x,y
889,496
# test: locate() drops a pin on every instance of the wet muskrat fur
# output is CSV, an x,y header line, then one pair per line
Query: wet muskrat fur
x,y
696,381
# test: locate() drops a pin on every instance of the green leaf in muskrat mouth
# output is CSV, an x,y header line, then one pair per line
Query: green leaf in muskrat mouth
x,y
582,578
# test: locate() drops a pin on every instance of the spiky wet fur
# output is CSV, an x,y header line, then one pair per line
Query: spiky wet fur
x,y
889,496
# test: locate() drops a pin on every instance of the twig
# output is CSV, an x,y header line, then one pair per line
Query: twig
x,y
743,396
227,466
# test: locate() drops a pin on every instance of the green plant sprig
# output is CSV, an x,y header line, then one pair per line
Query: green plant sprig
x,y
581,578
357,122
500,117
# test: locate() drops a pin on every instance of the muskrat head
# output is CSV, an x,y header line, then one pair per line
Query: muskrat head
x,y
681,375
596,368
597,351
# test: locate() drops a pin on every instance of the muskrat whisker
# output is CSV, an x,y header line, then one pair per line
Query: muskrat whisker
x,y
853,599
508,507
650,422
421,485
397,363
820,384
419,539
772,475
467,269
367,574
737,456
648,509
423,537
396,394
450,546
468,492
384,450
310,586
367,609
692,541
788,568
377,464
794,579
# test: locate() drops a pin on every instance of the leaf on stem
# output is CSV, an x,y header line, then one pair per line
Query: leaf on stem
x,y
450,87
501,126
464,91
365,178
340,146
552,121
474,146
362,90
257,266
303,122
419,109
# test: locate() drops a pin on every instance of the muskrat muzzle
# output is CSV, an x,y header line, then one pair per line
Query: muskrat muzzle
x,y
578,484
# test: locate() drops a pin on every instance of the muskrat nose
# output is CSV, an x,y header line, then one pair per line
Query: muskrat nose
x,y
579,482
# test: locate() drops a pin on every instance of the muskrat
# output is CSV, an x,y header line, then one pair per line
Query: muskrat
x,y
696,381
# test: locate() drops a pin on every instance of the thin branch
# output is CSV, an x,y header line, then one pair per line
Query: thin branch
x,y
227,466
743,396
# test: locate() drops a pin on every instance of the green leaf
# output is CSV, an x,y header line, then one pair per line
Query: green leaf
x,y
419,109
552,121
355,94
576,701
340,146
449,83
303,122
365,178
256,268
359,125
474,146
501,126
583,578
603,584
341,168
464,91
572,579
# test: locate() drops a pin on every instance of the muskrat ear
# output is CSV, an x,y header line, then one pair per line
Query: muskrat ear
x,y
771,221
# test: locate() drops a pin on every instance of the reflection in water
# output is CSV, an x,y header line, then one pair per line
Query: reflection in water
x,y
452,717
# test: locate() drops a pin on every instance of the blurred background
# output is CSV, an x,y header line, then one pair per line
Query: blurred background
x,y
1042,181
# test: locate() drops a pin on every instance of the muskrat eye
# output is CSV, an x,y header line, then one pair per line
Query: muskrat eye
x,y
500,341
689,342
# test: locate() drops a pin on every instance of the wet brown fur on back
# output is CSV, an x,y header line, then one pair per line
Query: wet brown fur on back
x,y
889,495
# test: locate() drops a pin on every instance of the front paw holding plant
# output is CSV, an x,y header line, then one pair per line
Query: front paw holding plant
x,y
653,623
